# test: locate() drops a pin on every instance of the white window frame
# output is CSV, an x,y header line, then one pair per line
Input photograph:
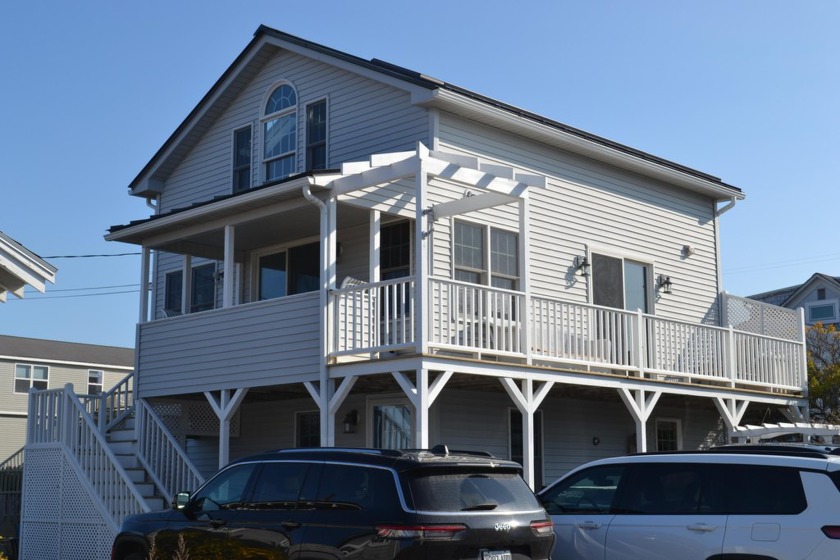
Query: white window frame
x,y
283,247
486,274
31,377
822,303
386,400
305,131
233,154
101,384
264,118
678,424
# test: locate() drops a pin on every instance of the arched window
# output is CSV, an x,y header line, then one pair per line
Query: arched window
x,y
280,133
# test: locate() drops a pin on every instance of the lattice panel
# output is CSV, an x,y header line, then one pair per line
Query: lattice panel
x,y
81,541
756,317
42,484
61,520
192,418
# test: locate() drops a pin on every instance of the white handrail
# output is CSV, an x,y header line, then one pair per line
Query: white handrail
x,y
161,455
58,416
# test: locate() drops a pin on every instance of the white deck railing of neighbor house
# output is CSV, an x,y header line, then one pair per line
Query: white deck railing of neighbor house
x,y
486,321
58,418
162,456
11,483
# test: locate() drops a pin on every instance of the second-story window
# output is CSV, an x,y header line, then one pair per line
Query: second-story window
x,y
316,135
471,258
29,376
293,271
95,378
242,159
620,283
280,133
203,295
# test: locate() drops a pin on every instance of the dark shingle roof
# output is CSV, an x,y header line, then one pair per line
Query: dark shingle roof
x,y
38,349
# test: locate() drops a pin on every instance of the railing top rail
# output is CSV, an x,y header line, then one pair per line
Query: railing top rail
x,y
370,285
477,286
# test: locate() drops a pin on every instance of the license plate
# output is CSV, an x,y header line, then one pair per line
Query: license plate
x,y
496,555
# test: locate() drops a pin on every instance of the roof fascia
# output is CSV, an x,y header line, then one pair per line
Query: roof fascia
x,y
601,151
208,213
56,361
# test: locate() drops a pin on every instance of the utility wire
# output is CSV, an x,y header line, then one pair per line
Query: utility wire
x,y
89,256
39,298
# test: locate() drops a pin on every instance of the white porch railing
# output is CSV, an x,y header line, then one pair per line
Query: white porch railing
x,y
162,456
57,417
110,407
375,317
487,321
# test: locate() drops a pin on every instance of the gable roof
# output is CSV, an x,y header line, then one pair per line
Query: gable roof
x,y
785,297
65,352
20,267
425,90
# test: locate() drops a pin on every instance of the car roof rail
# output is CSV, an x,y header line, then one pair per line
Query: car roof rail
x,y
815,451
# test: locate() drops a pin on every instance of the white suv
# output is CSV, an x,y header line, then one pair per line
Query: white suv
x,y
767,502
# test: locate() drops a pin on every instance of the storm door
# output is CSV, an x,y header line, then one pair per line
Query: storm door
x,y
620,284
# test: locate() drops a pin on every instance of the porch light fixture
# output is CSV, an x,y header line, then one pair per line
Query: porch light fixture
x,y
582,265
664,283
350,422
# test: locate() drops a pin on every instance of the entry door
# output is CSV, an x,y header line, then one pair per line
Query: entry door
x,y
664,513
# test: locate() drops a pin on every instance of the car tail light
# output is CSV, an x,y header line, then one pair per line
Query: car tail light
x,y
430,532
832,531
542,528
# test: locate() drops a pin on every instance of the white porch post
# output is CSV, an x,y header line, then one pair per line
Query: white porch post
x,y
527,401
225,407
228,273
144,285
421,235
525,274
422,395
375,246
732,411
640,403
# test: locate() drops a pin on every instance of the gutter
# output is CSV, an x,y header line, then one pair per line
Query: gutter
x,y
724,209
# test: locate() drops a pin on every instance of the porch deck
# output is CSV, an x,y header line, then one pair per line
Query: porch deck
x,y
503,325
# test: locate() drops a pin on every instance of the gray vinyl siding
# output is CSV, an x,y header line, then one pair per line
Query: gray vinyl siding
x,y
263,343
588,203
13,429
364,117
59,375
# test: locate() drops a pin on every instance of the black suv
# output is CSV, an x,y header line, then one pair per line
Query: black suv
x,y
329,503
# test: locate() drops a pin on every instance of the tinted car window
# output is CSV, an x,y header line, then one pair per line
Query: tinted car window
x,y
763,490
279,485
357,487
590,491
667,488
440,490
226,490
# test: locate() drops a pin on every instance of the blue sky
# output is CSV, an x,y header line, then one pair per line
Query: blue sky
x,y
744,90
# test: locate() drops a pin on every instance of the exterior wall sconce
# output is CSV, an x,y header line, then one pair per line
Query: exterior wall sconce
x,y
582,265
596,440
350,422
664,283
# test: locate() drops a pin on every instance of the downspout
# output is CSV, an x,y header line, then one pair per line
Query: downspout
x,y
724,209
718,213
324,405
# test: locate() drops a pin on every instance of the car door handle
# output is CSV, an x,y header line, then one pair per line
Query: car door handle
x,y
290,524
702,527
589,525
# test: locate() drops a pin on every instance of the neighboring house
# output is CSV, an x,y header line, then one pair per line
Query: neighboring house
x,y
30,363
818,298
20,267
348,253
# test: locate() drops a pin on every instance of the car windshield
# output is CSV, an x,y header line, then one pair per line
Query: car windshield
x,y
452,490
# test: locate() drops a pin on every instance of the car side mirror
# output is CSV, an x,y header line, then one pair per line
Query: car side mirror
x,y
181,500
